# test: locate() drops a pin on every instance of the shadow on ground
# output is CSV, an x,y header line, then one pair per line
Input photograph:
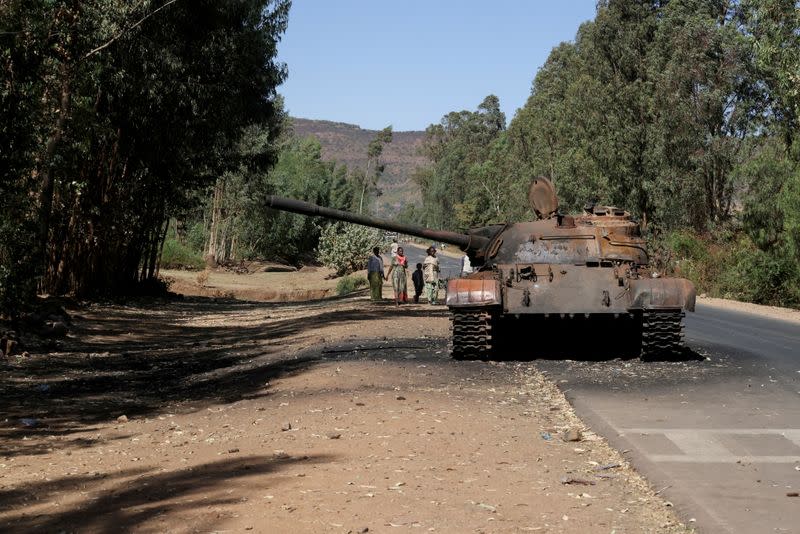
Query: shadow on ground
x,y
595,339
135,360
129,498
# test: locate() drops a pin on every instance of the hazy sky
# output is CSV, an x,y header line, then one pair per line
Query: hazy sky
x,y
409,62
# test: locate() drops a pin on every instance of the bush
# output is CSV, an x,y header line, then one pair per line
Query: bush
x,y
348,284
197,236
687,246
17,264
762,277
176,255
346,247
732,266
694,257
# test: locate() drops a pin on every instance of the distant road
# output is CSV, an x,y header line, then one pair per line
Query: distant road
x,y
449,266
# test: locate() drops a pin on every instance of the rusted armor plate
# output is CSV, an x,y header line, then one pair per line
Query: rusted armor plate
x,y
470,292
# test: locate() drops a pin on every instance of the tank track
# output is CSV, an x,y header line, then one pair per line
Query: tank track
x,y
471,334
662,334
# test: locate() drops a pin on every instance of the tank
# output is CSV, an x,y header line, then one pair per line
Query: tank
x,y
577,270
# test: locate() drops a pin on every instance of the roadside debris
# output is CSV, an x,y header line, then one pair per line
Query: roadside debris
x,y
607,466
577,481
29,422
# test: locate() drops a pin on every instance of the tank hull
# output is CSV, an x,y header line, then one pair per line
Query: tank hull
x,y
514,300
569,289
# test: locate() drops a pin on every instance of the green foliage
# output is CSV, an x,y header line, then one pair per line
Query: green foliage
x,y
686,245
348,284
196,238
789,204
299,173
369,179
692,256
463,187
346,247
176,255
684,112
115,115
774,29
762,277
17,229
732,266
768,198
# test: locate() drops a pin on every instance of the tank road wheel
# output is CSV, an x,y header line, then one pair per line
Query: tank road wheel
x,y
662,334
471,334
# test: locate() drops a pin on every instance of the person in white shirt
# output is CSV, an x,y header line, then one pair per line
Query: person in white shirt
x,y
466,266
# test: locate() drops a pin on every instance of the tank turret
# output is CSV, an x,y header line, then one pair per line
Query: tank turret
x,y
592,265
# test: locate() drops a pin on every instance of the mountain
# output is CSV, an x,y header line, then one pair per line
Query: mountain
x,y
347,144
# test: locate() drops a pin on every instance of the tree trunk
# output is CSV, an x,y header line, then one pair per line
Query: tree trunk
x,y
48,186
212,248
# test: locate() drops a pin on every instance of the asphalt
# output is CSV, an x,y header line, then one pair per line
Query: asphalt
x,y
717,433
449,267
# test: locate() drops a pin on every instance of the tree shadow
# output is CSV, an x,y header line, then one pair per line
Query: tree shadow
x,y
137,495
135,360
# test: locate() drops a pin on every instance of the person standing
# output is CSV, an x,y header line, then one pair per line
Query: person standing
x,y
375,275
466,266
419,282
394,247
398,271
430,272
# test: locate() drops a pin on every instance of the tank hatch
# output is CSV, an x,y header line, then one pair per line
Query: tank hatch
x,y
542,198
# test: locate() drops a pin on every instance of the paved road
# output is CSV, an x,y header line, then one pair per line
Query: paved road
x,y
449,267
722,435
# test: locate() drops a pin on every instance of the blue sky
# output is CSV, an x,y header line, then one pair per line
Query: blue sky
x,y
409,62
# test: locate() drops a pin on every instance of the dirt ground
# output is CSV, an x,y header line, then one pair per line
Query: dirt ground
x,y
211,414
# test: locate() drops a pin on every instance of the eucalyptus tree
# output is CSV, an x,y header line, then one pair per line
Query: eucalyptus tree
x,y
374,168
116,113
298,173
707,104
460,171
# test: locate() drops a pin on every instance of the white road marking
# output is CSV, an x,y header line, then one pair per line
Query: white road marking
x,y
700,445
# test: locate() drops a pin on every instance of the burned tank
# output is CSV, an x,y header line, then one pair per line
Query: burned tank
x,y
591,267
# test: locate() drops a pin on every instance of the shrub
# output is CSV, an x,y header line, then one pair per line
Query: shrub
x,y
346,247
687,246
176,255
18,276
762,277
197,236
732,266
348,284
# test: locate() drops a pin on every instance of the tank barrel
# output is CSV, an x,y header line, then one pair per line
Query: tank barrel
x,y
463,241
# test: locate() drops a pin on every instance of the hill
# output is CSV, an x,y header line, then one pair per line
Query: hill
x,y
347,144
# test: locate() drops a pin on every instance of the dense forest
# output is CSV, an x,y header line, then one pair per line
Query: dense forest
x,y
135,135
114,115
683,111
